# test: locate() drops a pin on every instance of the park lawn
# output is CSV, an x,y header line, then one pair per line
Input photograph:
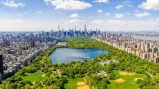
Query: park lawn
x,y
72,83
34,77
129,82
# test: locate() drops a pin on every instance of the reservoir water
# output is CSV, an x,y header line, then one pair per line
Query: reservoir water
x,y
65,55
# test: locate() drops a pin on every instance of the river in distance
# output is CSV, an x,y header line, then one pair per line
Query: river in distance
x,y
65,55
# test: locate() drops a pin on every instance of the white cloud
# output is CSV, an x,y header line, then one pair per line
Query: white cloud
x,y
119,6
99,11
68,4
74,16
101,1
150,5
76,21
122,25
157,19
127,3
142,14
119,15
104,25
98,22
15,20
111,21
12,3
28,13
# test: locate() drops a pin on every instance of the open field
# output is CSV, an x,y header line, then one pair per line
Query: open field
x,y
34,77
72,83
126,81
77,83
126,73
82,85
119,80
138,79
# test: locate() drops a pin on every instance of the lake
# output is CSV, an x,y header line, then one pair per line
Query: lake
x,y
65,55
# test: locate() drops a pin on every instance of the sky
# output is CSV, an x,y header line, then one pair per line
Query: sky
x,y
106,15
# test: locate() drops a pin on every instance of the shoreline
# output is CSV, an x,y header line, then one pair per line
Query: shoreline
x,y
77,49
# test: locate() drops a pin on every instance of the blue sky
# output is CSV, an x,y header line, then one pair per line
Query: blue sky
x,y
107,15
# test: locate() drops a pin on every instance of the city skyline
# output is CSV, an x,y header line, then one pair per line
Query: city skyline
x,y
106,15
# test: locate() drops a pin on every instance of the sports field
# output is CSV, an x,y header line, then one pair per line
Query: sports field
x,y
34,77
77,83
127,80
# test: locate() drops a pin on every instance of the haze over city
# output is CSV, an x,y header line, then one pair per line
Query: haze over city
x,y
106,15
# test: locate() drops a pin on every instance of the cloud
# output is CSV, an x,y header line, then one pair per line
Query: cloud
x,y
157,19
12,3
99,11
28,13
68,4
142,14
122,25
119,6
127,3
101,1
74,16
98,22
15,21
111,21
119,15
150,5
103,25
76,21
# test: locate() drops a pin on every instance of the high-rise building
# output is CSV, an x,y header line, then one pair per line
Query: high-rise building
x,y
156,59
0,77
32,43
58,27
154,50
75,28
123,46
1,64
85,29
147,46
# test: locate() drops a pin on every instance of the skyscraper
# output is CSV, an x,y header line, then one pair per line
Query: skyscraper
x,y
75,28
1,64
58,27
32,43
85,29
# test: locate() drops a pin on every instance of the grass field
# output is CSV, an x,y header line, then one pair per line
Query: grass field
x,y
129,82
34,77
72,83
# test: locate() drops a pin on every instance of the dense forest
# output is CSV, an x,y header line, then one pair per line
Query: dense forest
x,y
57,75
